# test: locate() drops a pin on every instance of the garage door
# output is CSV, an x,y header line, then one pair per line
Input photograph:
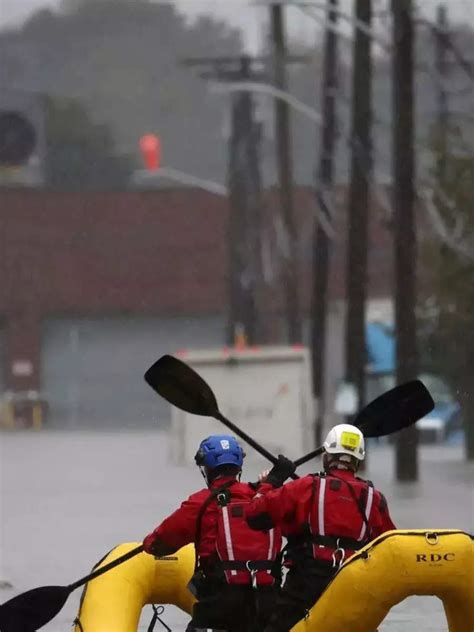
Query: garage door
x,y
92,369
2,377
2,361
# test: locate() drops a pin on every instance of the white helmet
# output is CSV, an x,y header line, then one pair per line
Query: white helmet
x,y
345,439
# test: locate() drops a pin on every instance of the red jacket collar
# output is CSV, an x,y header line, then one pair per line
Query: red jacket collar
x,y
222,480
345,474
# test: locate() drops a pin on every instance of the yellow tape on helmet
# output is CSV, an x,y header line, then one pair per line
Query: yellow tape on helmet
x,y
350,440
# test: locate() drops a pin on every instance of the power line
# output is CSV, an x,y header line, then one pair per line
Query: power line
x,y
307,8
466,64
454,237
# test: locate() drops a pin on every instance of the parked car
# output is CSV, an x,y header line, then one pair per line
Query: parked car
x,y
443,423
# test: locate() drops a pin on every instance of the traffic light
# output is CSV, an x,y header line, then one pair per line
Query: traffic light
x,y
18,138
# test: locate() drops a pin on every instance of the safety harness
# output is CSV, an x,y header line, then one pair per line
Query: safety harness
x,y
339,543
222,495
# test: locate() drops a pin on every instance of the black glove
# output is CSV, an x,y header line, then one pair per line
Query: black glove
x,y
156,547
281,471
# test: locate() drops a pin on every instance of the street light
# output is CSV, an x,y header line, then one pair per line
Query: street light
x,y
304,109
142,176
271,90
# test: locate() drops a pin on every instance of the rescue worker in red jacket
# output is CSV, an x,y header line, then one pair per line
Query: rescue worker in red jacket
x,y
325,517
237,569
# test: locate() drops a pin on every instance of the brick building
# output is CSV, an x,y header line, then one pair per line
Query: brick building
x,y
95,286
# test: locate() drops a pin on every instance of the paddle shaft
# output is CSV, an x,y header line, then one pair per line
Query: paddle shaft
x,y
243,435
171,378
107,567
309,456
358,422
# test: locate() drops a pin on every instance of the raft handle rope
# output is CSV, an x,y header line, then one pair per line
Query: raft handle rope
x,y
157,611
338,553
253,575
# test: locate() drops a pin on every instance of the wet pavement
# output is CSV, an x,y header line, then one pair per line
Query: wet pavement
x,y
67,498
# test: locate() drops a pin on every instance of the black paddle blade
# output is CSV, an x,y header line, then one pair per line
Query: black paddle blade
x,y
32,609
396,409
181,386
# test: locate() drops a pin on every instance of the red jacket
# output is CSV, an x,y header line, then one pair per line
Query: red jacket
x,y
323,505
224,533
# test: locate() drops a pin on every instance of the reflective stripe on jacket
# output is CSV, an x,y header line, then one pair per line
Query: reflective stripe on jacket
x,y
339,515
214,548
245,554
322,507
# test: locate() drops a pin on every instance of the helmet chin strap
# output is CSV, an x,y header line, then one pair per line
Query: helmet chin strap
x,y
202,469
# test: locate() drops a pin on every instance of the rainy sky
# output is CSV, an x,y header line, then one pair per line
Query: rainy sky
x,y
248,15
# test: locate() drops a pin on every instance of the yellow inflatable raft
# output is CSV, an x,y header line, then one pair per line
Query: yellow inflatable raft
x,y
396,565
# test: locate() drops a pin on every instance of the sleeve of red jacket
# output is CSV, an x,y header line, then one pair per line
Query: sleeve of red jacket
x,y
175,531
386,522
272,507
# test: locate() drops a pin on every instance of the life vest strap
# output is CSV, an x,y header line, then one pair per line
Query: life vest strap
x,y
338,542
250,565
330,541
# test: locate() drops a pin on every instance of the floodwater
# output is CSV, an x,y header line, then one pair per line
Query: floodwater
x,y
67,498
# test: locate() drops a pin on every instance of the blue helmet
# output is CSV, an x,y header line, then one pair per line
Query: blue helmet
x,y
219,450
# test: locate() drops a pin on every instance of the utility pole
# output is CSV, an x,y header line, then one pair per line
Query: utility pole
x,y
245,229
359,203
441,65
245,312
404,223
321,241
285,170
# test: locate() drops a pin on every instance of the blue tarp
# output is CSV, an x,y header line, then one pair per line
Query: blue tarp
x,y
380,344
380,348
